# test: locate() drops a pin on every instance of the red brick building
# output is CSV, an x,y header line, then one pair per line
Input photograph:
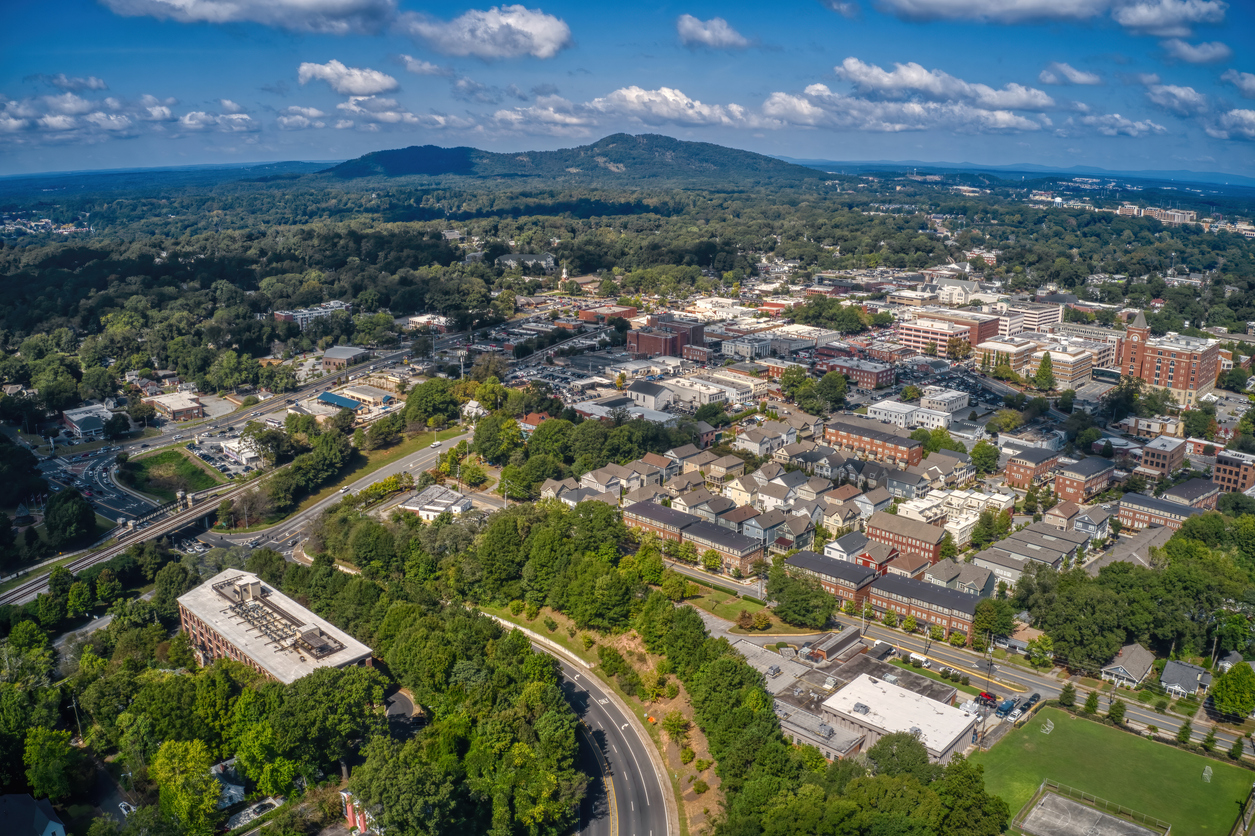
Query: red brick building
x,y
874,444
1185,366
1030,467
1196,493
651,342
1080,481
667,523
1233,471
697,353
864,373
906,535
605,313
930,604
843,580
1137,511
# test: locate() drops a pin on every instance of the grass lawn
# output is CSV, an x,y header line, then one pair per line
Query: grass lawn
x,y
162,474
722,604
1152,778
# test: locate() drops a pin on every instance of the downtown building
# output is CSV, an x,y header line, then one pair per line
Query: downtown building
x,y
1185,366
876,445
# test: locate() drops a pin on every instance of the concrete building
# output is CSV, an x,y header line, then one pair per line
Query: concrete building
x,y
177,406
1072,367
1011,351
368,395
893,412
875,708
340,357
926,335
650,395
1185,366
86,422
1037,316
435,500
944,400
695,392
234,615
304,316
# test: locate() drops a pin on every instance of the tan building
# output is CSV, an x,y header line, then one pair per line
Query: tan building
x,y
924,332
177,406
1014,351
1072,367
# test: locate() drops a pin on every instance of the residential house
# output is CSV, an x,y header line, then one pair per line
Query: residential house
x,y
722,470
812,488
965,577
1062,516
696,463
27,816
692,500
904,484
847,547
765,527
609,479
843,493
1130,666
1080,481
772,496
648,493
554,488
706,434
798,532
908,566
840,515
735,519
1233,657
873,502
742,491
529,423
1094,522
669,467
759,442
685,482
1181,679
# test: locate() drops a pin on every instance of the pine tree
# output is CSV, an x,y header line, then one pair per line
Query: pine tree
x,y
1091,703
1045,377
1067,696
1183,734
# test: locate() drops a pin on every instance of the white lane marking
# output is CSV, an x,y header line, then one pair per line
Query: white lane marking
x,y
612,746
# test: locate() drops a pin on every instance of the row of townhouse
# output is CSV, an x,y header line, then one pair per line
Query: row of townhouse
x,y
1170,509
1077,481
738,552
874,444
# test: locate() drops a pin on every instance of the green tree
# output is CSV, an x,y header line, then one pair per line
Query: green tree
x,y
1185,732
1209,742
832,387
50,761
1091,703
1067,695
901,753
911,392
1233,692
801,602
1116,713
79,600
985,457
1237,750
676,725
189,793
1044,379
108,587
969,809
909,624
948,549
69,517
674,585
1040,650
711,560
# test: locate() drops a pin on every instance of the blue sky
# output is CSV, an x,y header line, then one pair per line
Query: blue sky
x,y
1127,84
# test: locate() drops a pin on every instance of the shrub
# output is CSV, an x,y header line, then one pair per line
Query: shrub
x,y
516,607
915,663
744,620
966,680
672,690
700,786
701,764
533,610
588,641
550,624
687,755
761,620
1161,704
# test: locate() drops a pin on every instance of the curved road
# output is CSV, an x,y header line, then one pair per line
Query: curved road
x,y
625,797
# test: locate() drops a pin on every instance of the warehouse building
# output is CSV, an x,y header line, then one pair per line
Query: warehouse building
x,y
876,708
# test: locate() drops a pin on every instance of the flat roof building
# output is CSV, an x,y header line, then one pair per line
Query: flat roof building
x,y
234,615
876,708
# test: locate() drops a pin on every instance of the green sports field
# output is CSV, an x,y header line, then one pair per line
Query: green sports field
x,y
1151,778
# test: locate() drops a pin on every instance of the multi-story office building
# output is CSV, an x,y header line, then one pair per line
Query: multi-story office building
x,y
1233,471
928,335
1163,456
1072,367
1037,316
1012,351
980,326
944,400
234,615
893,412
874,444
864,373
1185,366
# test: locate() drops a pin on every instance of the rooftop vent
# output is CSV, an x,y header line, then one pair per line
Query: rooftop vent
x,y
860,708
826,731
917,731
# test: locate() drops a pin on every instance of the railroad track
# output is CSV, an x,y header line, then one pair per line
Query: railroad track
x,y
30,589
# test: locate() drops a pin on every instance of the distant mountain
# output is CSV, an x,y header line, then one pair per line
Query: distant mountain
x,y
617,158
1211,177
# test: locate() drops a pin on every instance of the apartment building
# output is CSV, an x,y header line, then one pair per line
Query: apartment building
x,y
931,604
1137,511
1185,366
234,615
980,326
1083,480
844,580
1196,493
1031,466
943,400
304,316
1012,351
666,523
1072,367
1162,456
873,444
1233,471
893,412
906,535
736,551
1038,316
865,374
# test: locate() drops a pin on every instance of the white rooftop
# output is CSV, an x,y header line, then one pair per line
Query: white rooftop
x,y
286,640
894,406
875,703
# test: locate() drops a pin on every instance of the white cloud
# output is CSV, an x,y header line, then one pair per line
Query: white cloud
x,y
418,67
307,112
845,9
342,124
1058,72
469,90
1245,82
1113,124
1147,78
347,81
229,106
198,121
72,83
913,78
819,107
998,11
1168,18
550,115
372,109
1183,101
496,33
111,122
665,106
69,104
337,17
714,33
297,118
1208,52
1236,124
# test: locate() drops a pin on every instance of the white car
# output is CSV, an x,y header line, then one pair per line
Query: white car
x,y
435,444
1015,715
126,808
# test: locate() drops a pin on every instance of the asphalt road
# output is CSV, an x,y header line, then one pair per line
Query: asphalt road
x,y
625,788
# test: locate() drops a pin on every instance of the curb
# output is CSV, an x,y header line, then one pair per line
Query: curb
x,y
655,757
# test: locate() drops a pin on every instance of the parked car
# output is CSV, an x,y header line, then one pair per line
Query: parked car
x,y
1006,708
986,698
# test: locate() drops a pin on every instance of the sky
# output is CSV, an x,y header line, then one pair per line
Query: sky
x,y
1118,84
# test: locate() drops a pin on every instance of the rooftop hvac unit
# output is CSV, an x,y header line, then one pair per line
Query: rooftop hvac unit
x,y
830,683
892,679
917,731
773,671
860,708
825,731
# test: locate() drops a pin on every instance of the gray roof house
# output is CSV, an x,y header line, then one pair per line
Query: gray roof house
x,y
28,817
965,577
1181,679
1233,657
1130,666
877,499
